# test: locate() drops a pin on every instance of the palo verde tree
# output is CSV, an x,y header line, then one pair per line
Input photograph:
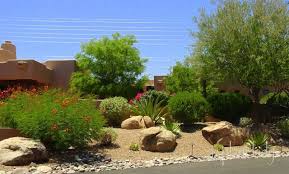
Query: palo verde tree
x,y
246,41
109,67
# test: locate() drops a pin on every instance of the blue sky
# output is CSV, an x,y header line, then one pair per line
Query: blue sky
x,y
54,29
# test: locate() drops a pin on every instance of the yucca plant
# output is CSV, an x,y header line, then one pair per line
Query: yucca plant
x,y
257,141
151,108
172,126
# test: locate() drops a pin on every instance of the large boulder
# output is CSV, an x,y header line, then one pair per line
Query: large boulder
x,y
224,133
18,151
137,122
156,139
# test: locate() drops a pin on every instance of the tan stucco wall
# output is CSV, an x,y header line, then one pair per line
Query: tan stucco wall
x,y
62,71
7,51
25,70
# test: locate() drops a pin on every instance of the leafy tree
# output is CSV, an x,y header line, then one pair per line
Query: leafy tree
x,y
109,67
181,78
245,41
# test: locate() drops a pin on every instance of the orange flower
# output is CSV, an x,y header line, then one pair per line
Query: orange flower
x,y
54,127
87,119
54,111
65,102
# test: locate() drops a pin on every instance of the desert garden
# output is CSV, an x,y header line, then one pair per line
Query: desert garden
x,y
229,99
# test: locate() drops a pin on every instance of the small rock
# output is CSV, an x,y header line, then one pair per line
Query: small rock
x,y
43,169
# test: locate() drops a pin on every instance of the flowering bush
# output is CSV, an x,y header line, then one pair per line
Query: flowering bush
x,y
58,119
115,110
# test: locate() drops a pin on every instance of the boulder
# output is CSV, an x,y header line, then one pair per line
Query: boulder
x,y
224,133
18,151
137,122
156,139
210,118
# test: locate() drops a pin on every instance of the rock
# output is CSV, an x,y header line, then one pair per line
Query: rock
x,y
43,169
21,171
137,122
210,118
18,151
224,133
156,139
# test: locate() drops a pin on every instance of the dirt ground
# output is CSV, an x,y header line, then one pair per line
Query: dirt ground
x,y
190,143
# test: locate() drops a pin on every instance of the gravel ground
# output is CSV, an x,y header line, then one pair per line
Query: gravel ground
x,y
119,156
184,148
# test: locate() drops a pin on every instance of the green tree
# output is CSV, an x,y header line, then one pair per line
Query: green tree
x,y
109,67
246,41
181,78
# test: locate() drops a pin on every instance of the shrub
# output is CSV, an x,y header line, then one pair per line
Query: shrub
x,y
156,95
283,126
58,119
134,147
152,108
257,141
115,110
106,137
245,121
281,99
171,126
188,107
218,147
229,106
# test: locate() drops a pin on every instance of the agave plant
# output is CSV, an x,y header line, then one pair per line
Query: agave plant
x,y
151,108
258,141
172,126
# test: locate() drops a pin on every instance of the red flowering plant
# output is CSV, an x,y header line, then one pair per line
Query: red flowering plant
x,y
59,119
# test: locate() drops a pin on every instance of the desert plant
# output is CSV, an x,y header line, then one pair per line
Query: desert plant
x,y
115,110
283,126
218,147
106,137
58,119
172,126
134,147
258,141
245,121
152,108
156,95
187,107
229,106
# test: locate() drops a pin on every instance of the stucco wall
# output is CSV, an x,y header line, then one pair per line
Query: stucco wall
x,y
62,71
25,69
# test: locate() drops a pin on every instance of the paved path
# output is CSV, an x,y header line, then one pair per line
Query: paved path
x,y
254,166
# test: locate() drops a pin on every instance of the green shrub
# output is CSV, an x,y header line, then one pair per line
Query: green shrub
x,y
281,99
156,95
229,106
9,108
258,140
106,137
218,147
115,110
152,108
171,126
283,126
134,147
58,119
187,107
245,121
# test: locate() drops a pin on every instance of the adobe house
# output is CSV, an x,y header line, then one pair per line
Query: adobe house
x,y
158,83
55,73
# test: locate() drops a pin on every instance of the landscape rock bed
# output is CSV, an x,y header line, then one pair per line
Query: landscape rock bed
x,y
106,164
